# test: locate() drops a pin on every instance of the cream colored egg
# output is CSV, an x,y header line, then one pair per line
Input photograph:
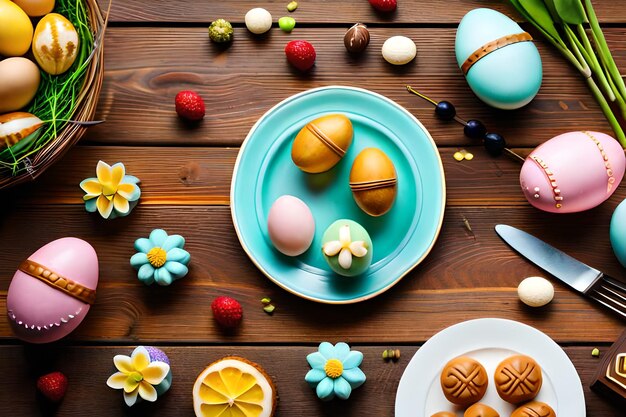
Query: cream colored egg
x,y
16,30
35,8
55,44
19,80
399,50
535,291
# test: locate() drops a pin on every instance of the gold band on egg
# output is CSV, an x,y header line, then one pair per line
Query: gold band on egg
x,y
558,198
373,185
58,282
488,48
605,159
325,139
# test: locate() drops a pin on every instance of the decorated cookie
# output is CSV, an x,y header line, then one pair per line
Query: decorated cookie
x,y
161,258
234,386
480,410
51,292
518,379
112,193
335,371
144,375
534,409
464,381
347,248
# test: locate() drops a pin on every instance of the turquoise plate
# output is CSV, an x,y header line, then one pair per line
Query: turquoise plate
x,y
401,238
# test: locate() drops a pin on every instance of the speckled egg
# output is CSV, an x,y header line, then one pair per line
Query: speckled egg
x,y
347,248
290,225
573,172
322,143
52,291
618,232
373,181
500,62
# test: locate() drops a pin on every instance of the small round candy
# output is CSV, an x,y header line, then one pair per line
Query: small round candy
x,y
286,23
535,291
399,50
258,20
494,144
445,110
475,129
356,38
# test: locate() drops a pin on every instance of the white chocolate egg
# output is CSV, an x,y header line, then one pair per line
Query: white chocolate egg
x,y
258,20
535,291
290,225
573,172
399,50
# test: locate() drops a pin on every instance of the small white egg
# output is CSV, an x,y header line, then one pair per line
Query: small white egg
x,y
535,291
399,50
258,20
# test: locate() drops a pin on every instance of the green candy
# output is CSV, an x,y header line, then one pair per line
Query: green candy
x,y
357,233
221,31
287,23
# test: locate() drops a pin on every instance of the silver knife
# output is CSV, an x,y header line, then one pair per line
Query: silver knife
x,y
583,278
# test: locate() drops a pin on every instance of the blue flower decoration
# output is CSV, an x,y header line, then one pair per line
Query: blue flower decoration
x,y
161,258
335,371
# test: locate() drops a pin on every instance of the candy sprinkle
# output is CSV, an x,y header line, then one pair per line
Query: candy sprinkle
x,y
266,300
269,309
595,352
391,354
292,6
458,156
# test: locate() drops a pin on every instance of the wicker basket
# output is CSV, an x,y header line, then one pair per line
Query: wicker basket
x,y
84,111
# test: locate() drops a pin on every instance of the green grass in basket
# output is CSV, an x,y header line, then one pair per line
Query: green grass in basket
x,y
57,95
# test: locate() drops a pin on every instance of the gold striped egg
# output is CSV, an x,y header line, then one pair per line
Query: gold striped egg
x,y
17,126
373,181
55,44
322,143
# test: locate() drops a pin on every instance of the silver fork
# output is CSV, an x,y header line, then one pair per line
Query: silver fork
x,y
610,293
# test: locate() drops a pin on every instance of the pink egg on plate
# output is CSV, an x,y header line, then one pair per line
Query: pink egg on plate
x,y
290,225
51,292
573,172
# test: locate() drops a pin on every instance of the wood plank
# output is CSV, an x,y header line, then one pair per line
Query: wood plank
x,y
87,369
137,99
201,176
314,11
464,277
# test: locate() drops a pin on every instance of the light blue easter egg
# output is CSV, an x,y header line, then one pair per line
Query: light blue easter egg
x,y
617,232
507,78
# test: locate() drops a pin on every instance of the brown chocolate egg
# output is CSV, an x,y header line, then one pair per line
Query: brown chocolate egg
x,y
518,379
464,381
480,410
444,414
322,143
534,409
373,181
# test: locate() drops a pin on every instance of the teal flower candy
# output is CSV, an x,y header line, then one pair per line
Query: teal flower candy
x,y
335,371
161,258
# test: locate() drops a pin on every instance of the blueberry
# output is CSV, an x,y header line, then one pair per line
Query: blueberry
x,y
475,129
494,144
445,110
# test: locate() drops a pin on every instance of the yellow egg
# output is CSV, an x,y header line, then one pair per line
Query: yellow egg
x,y
35,8
16,30
55,44
322,143
373,181
19,80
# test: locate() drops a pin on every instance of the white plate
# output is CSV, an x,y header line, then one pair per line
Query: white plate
x,y
488,341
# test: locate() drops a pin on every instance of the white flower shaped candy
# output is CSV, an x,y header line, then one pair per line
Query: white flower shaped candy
x,y
345,247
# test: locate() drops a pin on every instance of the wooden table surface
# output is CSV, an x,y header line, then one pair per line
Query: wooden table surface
x,y
155,49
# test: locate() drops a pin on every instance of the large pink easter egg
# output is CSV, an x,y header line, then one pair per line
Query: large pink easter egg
x,y
573,172
52,291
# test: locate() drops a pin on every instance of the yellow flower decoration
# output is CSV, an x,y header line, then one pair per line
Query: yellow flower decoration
x,y
138,375
112,193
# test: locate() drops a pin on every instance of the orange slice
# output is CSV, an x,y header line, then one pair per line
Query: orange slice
x,y
234,387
